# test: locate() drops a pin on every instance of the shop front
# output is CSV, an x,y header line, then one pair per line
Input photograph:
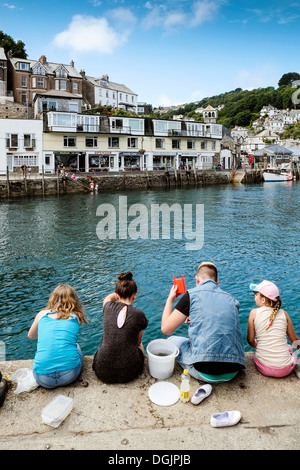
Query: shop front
x,y
102,161
164,161
131,161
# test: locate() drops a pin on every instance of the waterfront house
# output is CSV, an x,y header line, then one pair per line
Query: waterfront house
x,y
29,77
21,144
102,92
95,143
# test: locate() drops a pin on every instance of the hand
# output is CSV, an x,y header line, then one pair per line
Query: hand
x,y
173,294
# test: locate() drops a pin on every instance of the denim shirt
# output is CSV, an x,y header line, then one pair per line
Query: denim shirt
x,y
214,329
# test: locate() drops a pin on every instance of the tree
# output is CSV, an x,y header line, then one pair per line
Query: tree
x,y
288,78
17,48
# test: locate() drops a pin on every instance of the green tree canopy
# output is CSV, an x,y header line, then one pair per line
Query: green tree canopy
x,y
288,78
17,48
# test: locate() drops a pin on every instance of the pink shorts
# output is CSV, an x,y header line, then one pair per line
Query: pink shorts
x,y
276,371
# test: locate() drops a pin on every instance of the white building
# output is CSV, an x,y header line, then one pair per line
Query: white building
x,y
107,93
21,142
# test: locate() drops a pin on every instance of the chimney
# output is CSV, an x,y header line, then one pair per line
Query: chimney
x,y
72,63
82,73
43,59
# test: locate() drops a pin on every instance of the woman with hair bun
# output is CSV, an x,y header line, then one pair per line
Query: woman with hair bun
x,y
120,356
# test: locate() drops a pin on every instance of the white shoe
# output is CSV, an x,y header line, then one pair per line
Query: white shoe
x,y
201,393
228,418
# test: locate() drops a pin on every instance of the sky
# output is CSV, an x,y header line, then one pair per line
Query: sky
x,y
167,52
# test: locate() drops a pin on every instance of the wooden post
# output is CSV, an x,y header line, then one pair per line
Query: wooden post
x,y
57,181
43,181
7,182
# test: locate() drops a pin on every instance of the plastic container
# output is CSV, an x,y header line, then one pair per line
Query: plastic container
x,y
161,358
57,410
185,386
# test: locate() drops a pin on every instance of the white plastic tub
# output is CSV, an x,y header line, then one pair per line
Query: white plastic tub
x,y
57,410
161,358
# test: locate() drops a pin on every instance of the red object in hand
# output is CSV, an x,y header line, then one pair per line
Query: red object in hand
x,y
180,283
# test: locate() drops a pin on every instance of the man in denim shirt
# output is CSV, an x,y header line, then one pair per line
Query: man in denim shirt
x,y
214,350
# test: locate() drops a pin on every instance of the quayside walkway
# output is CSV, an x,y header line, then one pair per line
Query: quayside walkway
x,y
122,417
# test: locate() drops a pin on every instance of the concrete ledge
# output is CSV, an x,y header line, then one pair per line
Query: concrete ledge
x,y
122,417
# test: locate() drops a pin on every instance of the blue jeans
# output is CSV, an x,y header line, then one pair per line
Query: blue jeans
x,y
60,377
209,378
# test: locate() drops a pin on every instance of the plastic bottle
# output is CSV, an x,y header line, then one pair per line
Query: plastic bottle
x,y
185,386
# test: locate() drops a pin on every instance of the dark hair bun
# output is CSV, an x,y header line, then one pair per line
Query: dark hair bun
x,y
125,276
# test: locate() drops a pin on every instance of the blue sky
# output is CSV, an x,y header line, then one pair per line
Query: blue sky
x,y
169,52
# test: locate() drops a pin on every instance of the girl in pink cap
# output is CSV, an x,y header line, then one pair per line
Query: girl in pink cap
x,y
268,328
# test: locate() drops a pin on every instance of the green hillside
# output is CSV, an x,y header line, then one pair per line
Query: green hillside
x,y
240,107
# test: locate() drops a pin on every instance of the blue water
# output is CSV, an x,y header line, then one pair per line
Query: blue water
x,y
250,232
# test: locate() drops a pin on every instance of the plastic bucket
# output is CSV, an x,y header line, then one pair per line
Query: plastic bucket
x,y
161,358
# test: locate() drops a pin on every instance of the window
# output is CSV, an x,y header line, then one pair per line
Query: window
x,y
113,142
160,143
40,82
75,86
47,159
69,141
175,144
12,141
203,145
24,97
117,123
190,144
60,85
23,66
213,145
24,82
91,142
73,107
33,82
132,142
61,73
29,141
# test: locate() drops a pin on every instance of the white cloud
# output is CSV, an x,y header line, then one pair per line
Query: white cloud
x,y
89,34
204,11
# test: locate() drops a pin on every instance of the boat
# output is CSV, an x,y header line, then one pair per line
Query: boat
x,y
277,175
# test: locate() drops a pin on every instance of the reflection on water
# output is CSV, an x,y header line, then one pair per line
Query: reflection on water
x,y
250,232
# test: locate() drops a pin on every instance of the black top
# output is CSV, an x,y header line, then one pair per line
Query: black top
x,y
119,359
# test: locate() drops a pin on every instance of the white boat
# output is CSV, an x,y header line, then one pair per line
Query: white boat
x,y
277,175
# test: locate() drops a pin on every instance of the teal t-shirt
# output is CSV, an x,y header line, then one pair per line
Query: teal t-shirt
x,y
57,345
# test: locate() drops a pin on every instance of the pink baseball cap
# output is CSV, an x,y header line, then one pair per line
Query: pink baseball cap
x,y
266,288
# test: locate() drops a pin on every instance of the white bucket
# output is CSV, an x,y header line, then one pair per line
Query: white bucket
x,y
161,358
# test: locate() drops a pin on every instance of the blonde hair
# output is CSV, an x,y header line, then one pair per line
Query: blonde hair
x,y
276,304
65,301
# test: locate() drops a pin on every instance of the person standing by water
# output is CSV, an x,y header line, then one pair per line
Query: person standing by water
x,y
120,356
268,328
214,350
58,360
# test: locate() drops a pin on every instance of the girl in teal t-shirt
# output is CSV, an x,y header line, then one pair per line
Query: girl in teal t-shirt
x,y
58,360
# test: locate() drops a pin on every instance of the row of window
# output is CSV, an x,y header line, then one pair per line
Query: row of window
x,y
132,142
12,141
39,82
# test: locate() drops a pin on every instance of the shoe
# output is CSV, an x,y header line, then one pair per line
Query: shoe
x,y
228,418
3,390
201,393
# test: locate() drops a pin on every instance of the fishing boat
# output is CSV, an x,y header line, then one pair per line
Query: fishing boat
x,y
277,175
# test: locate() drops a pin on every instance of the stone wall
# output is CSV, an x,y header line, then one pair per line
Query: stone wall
x,y
53,185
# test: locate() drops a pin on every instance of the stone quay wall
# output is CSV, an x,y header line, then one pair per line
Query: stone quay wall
x,y
39,185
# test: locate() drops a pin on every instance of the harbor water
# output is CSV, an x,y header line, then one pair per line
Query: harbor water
x,y
250,232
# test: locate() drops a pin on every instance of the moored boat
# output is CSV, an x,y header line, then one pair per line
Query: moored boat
x,y
277,175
